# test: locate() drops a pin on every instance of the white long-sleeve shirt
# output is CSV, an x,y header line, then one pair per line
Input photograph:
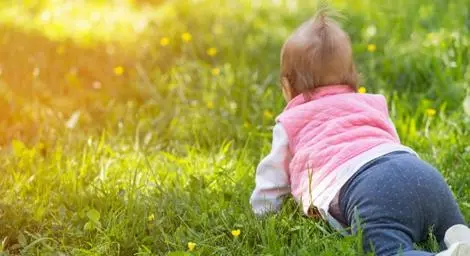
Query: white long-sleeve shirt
x,y
272,180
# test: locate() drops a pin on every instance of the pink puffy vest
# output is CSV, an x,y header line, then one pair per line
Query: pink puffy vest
x,y
334,125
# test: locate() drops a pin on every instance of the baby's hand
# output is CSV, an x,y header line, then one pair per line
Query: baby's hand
x,y
314,213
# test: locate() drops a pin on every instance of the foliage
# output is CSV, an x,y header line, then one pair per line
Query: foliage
x,y
133,127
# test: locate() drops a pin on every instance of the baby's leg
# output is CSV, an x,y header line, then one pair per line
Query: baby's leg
x,y
396,201
388,238
383,232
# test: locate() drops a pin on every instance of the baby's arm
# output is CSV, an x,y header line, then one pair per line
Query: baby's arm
x,y
272,180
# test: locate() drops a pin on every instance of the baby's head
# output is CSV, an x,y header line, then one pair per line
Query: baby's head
x,y
317,54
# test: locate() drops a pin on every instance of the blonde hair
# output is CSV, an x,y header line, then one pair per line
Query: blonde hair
x,y
318,53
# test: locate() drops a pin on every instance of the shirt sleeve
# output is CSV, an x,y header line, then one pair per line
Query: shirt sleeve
x,y
272,180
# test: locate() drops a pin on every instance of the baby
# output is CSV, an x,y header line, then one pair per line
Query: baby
x,y
339,154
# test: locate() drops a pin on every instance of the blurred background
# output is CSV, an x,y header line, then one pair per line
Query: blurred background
x,y
100,64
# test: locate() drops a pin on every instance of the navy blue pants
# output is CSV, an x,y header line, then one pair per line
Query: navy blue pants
x,y
397,200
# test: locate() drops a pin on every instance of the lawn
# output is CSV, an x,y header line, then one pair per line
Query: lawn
x,y
134,127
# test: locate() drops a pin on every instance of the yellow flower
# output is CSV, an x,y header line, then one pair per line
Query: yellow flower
x,y
151,217
186,37
210,105
36,72
191,246
236,232
371,47
119,70
215,71
212,51
268,114
430,112
362,90
164,41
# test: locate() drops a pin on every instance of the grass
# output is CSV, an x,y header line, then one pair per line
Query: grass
x,y
119,137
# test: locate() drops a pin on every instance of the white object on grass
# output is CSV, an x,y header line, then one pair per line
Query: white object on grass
x,y
466,105
457,249
457,234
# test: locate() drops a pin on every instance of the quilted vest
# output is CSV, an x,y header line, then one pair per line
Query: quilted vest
x,y
327,128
